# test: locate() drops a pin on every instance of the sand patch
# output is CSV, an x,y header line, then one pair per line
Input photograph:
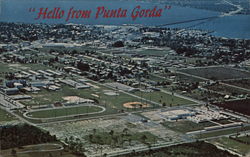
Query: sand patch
x,y
110,93
76,99
135,105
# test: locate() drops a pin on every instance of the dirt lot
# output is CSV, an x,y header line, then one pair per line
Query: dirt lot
x,y
241,106
217,73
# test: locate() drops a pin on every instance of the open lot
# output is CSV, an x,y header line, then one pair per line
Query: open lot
x,y
217,73
232,144
222,132
221,88
243,83
185,126
241,106
164,98
4,116
187,79
154,52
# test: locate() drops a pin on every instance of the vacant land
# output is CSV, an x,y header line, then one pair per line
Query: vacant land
x,y
163,98
154,52
232,144
243,83
187,79
241,106
227,90
217,73
185,126
223,132
4,116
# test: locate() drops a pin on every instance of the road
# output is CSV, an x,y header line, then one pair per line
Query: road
x,y
157,146
239,9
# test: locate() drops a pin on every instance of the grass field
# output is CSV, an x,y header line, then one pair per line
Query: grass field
x,y
154,52
4,116
232,144
223,132
64,112
155,78
161,98
45,97
186,126
244,83
217,73
227,90
244,138
185,78
4,67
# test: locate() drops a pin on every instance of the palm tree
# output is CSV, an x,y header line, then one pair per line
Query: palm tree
x,y
94,131
144,138
125,130
91,137
111,132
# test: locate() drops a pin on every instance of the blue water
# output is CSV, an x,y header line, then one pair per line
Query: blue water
x,y
237,26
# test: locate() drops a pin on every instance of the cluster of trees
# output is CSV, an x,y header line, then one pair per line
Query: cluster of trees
x,y
21,135
75,145
120,138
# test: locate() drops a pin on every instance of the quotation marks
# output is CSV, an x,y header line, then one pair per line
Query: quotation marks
x,y
32,9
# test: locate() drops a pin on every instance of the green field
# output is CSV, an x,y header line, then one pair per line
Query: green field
x,y
154,52
232,144
4,116
161,98
244,138
156,78
4,68
223,132
217,73
64,112
46,97
185,126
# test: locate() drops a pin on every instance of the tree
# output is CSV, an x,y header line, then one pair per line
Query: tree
x,y
13,152
125,130
111,132
94,131
144,138
118,44
91,137
83,66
